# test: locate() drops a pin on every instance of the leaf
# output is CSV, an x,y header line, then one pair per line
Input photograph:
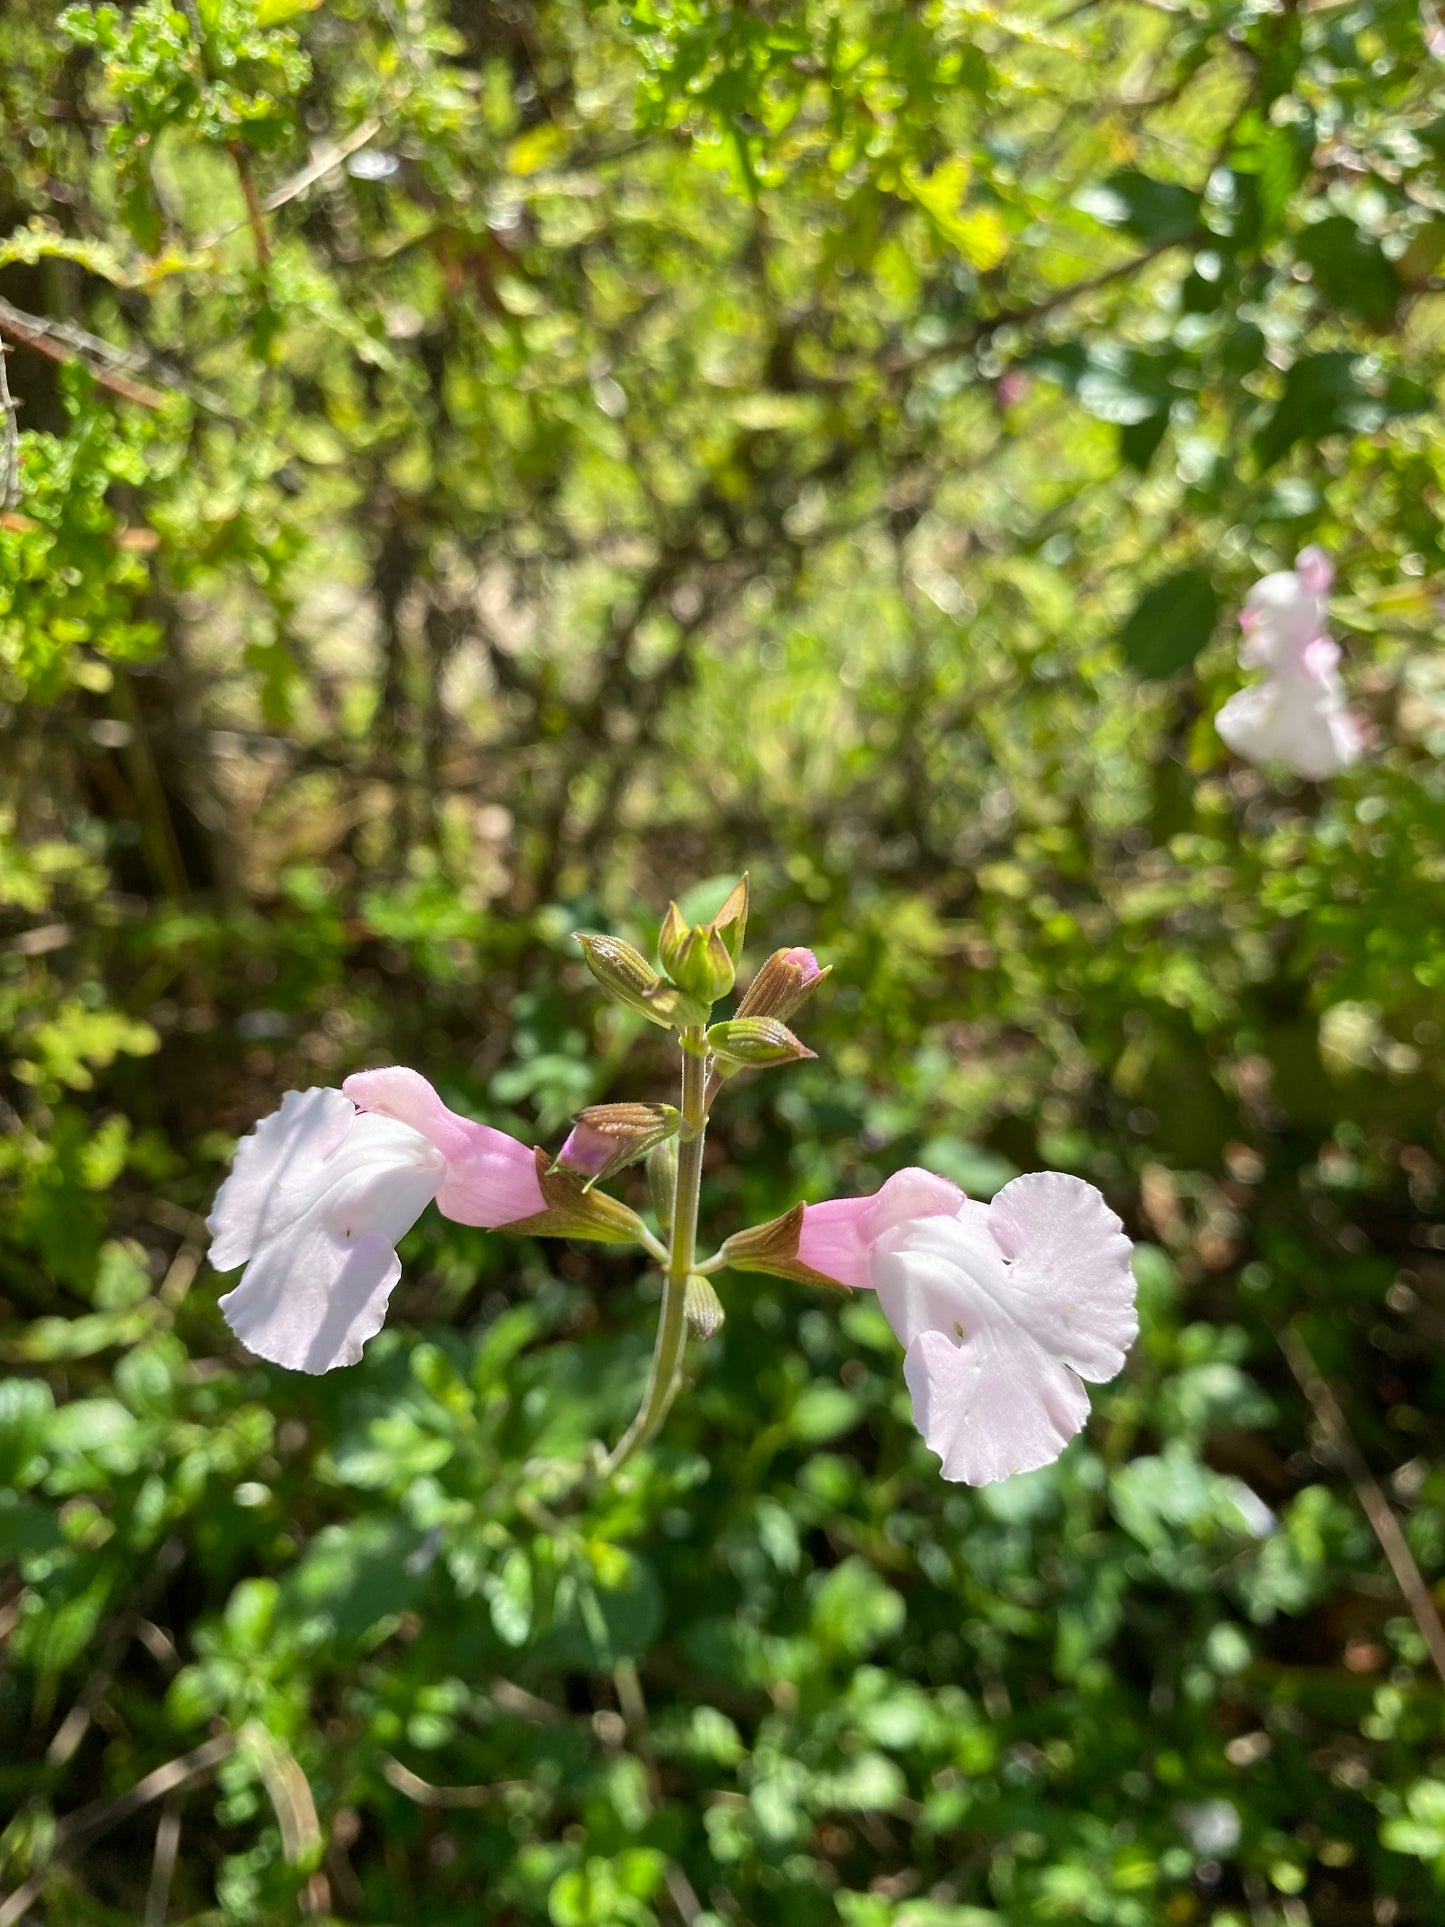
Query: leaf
x,y
1350,268
270,13
539,147
1154,210
1171,624
1331,394
977,232
822,1412
1139,440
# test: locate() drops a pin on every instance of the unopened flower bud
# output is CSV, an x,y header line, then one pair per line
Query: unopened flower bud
x,y
731,922
785,981
696,959
747,1043
662,1180
571,1209
629,977
702,1307
672,935
605,1137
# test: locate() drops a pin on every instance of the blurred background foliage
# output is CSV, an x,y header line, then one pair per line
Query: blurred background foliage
x,y
483,468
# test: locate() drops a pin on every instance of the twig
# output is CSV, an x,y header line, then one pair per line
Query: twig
x,y
254,215
680,1892
424,1794
76,1724
10,458
289,1791
329,157
163,1866
1031,311
79,1829
516,1700
44,338
1373,1503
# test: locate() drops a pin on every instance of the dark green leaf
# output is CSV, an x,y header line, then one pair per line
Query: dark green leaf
x,y
1171,624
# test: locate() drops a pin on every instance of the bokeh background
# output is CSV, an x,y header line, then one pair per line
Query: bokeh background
x,y
479,469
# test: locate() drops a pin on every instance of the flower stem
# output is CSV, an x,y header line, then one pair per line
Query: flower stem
x,y
666,1372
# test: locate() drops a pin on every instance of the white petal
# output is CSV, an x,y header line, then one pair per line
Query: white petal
x,y
933,1273
1000,1308
1283,617
1298,721
322,1268
269,1179
989,1410
1069,1270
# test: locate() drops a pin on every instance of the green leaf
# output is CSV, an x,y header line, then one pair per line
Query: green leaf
x,y
1154,210
1171,623
1331,394
1350,268
1139,440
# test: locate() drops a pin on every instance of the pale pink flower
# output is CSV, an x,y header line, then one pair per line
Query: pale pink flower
x,y
1296,714
1284,612
322,1191
1003,1308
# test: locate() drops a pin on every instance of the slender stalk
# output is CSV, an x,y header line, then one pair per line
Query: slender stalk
x,y
666,1372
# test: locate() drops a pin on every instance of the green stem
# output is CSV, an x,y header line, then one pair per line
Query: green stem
x,y
666,1374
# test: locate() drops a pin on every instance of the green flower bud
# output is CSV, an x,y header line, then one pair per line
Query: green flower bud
x,y
731,922
626,975
755,1042
702,1307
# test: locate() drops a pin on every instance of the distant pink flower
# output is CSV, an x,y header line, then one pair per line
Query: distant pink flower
x,y
322,1191
1284,612
1011,387
1296,714
1004,1308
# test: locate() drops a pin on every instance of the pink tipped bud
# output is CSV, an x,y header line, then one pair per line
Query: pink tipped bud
x,y
585,1152
785,980
605,1137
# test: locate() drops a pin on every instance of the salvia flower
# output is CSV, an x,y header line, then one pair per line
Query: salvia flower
x,y
321,1193
1003,1308
1296,713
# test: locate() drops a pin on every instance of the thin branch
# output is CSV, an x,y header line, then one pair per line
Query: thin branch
x,y
328,158
163,1865
255,217
1373,1503
37,330
424,1794
10,455
1031,311
79,1829
43,337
